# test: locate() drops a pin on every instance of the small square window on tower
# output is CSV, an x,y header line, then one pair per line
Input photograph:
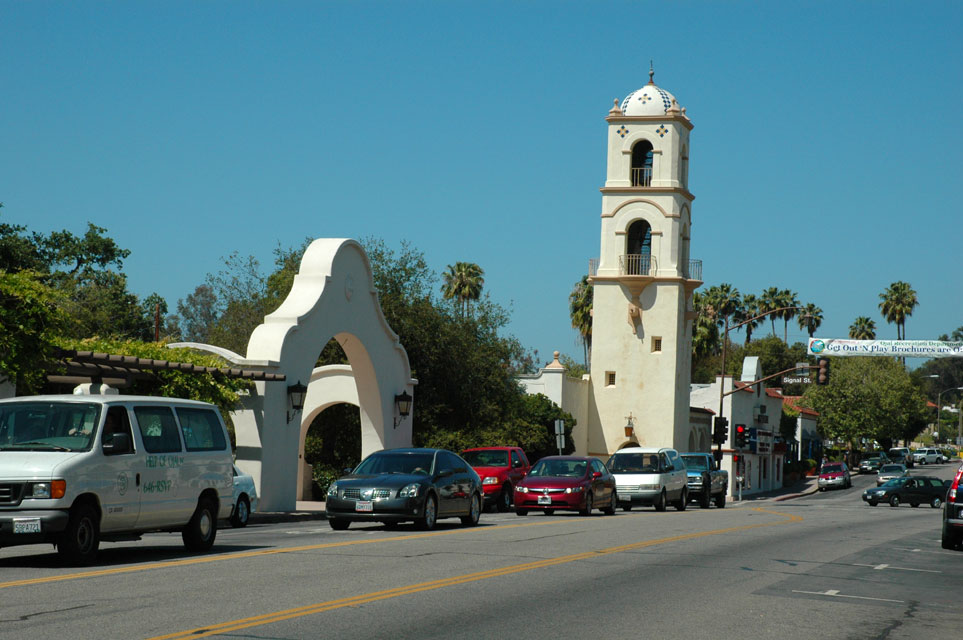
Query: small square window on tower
x,y
656,344
609,378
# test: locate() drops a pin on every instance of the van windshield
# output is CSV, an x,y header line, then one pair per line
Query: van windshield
x,y
48,426
634,463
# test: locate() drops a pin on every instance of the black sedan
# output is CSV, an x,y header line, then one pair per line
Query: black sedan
x,y
399,485
915,490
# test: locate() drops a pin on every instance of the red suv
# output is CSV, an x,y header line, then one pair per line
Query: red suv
x,y
953,513
501,469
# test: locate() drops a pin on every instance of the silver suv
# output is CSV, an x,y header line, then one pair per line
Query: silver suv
x,y
927,456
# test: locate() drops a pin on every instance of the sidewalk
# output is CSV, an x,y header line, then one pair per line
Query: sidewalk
x,y
803,487
304,512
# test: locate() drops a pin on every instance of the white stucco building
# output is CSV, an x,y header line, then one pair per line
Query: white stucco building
x,y
637,392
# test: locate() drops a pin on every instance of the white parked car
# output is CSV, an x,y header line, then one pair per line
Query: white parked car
x,y
245,498
79,469
650,476
927,456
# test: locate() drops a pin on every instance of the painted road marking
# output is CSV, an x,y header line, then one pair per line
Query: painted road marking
x,y
287,614
880,567
836,594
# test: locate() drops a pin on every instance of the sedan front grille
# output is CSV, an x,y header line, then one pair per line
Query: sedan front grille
x,y
544,491
376,494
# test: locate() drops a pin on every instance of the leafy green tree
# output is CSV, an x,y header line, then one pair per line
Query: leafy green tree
x,y
197,314
896,304
872,398
863,328
463,282
572,369
31,320
580,310
811,318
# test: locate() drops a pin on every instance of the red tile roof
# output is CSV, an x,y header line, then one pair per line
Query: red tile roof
x,y
793,401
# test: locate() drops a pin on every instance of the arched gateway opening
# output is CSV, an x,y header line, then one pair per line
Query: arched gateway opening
x,y
333,296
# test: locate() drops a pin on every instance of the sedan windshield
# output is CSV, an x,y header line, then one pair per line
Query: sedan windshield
x,y
486,458
396,462
891,468
895,482
48,426
559,468
832,468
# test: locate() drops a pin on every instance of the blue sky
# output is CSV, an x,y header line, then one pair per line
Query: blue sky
x,y
824,159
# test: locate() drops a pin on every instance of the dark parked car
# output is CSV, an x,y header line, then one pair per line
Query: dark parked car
x,y
872,464
953,513
500,468
915,490
398,485
568,483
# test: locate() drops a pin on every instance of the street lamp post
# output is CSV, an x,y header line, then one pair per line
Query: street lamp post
x,y
939,407
725,343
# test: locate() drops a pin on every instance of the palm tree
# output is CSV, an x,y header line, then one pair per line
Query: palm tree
x,y
463,282
863,328
811,318
769,301
580,308
787,299
705,328
749,309
725,301
897,304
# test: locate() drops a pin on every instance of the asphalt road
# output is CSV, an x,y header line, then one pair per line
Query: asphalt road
x,y
824,565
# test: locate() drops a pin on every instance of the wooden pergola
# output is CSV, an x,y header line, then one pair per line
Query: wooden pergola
x,y
78,367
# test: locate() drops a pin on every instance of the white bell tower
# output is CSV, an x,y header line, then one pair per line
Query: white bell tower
x,y
644,279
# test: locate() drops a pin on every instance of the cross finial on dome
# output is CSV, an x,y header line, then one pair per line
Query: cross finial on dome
x,y
651,72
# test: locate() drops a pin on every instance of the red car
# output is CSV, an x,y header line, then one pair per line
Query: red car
x,y
501,469
568,483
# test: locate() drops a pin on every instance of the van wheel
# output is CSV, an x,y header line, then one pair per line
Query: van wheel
x,y
242,513
200,532
660,504
79,542
683,501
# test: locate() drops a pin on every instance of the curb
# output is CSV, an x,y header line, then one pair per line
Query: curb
x,y
807,492
290,516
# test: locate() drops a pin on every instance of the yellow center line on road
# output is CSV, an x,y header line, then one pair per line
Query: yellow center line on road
x,y
287,614
263,552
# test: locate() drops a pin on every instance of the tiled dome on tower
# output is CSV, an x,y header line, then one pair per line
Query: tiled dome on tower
x,y
650,100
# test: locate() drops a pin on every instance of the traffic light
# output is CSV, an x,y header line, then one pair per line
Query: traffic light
x,y
720,432
822,372
742,436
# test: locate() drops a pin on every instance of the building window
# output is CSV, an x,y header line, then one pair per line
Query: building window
x,y
685,168
656,344
642,164
638,249
609,378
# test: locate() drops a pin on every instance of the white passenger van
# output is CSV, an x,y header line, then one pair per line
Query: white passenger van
x,y
654,476
78,469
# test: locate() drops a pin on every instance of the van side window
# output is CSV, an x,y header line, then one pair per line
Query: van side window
x,y
158,429
117,422
201,429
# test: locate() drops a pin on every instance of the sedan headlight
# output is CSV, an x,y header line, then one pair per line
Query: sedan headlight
x,y
522,489
410,491
333,489
46,490
578,489
490,480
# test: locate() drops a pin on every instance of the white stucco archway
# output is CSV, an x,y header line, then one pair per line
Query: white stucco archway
x,y
333,296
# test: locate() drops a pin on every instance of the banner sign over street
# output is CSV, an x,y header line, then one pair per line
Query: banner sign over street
x,y
898,348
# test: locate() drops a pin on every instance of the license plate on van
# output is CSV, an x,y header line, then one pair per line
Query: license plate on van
x,y
26,525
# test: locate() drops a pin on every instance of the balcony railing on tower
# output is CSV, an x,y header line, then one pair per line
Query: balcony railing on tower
x,y
636,264
641,176
643,265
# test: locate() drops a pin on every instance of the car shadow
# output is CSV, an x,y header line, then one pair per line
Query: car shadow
x,y
110,556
